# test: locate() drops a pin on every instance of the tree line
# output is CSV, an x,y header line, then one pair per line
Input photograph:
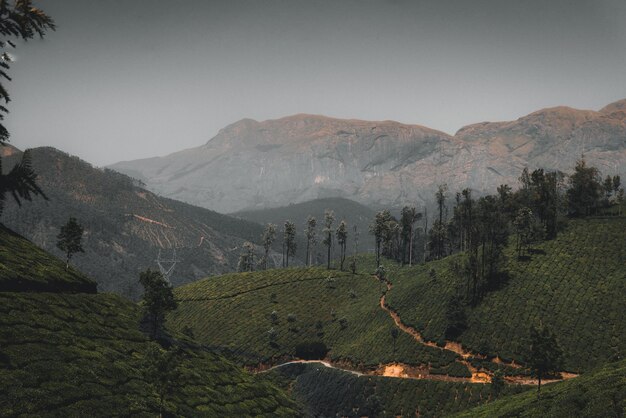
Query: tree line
x,y
329,234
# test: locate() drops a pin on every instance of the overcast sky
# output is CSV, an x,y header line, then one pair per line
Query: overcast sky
x,y
123,79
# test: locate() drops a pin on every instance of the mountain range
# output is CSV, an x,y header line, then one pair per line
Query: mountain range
x,y
255,165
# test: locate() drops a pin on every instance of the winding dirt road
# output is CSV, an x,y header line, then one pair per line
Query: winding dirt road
x,y
405,371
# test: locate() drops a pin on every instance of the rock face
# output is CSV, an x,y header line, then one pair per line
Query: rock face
x,y
254,164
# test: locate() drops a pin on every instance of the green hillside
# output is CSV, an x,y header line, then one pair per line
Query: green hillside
x,y
600,393
328,392
26,267
234,311
78,354
575,284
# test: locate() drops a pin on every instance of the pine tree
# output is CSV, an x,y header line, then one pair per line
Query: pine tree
x,y
70,240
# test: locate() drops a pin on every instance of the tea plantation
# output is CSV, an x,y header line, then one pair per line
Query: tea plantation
x,y
575,284
26,267
599,393
234,312
330,392
81,354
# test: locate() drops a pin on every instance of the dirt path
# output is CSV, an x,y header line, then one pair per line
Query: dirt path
x,y
478,375
405,371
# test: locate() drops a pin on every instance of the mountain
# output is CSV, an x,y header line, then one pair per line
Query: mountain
x,y
125,225
69,353
251,165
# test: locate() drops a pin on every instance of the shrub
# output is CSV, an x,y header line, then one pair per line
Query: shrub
x,y
343,322
274,317
315,350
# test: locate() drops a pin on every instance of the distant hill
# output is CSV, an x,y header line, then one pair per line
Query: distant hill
x,y
79,354
125,225
345,209
255,165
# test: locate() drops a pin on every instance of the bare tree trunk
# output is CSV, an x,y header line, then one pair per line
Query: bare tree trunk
x,y
411,248
308,245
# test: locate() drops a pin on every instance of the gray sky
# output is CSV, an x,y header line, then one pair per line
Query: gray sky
x,y
123,79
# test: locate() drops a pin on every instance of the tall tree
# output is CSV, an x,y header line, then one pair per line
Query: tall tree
x,y
311,238
18,20
356,248
607,185
408,218
523,227
289,240
342,239
585,188
616,183
545,355
162,372
70,240
329,219
246,258
378,228
439,231
268,237
158,298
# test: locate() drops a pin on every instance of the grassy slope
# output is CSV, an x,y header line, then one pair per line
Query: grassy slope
x,y
81,355
577,287
328,392
24,266
78,354
233,312
600,393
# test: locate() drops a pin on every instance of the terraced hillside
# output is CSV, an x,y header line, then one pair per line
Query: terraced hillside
x,y
600,393
234,312
26,267
575,284
82,354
